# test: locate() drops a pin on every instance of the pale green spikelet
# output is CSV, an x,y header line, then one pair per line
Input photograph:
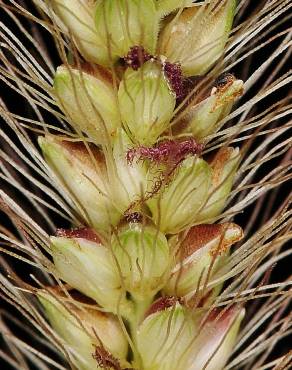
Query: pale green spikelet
x,y
88,99
202,245
204,30
146,103
82,329
173,323
121,24
203,117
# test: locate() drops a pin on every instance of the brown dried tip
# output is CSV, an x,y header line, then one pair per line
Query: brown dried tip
x,y
136,57
221,158
81,151
197,237
105,360
200,235
82,233
162,304
94,70
224,316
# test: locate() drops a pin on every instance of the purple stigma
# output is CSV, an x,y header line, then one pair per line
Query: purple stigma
x,y
174,75
136,57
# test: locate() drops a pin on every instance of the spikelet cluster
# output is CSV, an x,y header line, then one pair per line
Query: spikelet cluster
x,y
149,271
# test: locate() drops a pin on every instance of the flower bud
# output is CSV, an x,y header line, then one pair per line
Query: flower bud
x,y
88,266
146,102
143,257
202,118
165,335
204,29
88,98
83,329
196,252
224,168
175,338
78,19
85,179
121,24
176,206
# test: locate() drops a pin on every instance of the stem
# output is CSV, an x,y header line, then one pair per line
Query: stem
x,y
141,305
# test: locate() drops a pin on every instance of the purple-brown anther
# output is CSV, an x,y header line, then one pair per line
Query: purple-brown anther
x,y
79,233
170,152
105,360
134,217
175,78
136,57
224,81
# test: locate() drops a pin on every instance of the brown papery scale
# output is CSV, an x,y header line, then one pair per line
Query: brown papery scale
x,y
82,233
